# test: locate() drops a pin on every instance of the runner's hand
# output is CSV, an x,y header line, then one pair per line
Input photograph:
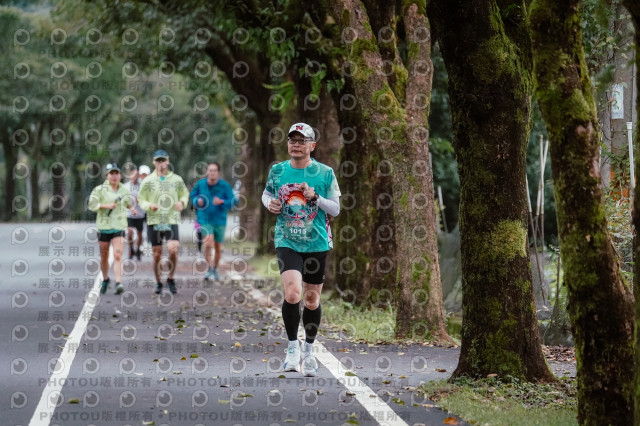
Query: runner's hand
x,y
179,206
307,191
275,206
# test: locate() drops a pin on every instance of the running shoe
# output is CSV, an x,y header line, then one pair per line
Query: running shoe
x,y
309,363
172,285
104,286
292,360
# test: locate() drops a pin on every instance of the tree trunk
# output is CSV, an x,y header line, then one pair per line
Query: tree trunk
x,y
489,69
249,170
417,102
267,221
363,232
58,203
600,303
35,187
10,161
405,149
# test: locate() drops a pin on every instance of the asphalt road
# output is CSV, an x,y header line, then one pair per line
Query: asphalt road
x,y
209,355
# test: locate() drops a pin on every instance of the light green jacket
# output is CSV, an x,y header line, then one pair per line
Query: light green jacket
x,y
103,194
165,193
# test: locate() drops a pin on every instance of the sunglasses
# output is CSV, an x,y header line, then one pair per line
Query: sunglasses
x,y
299,141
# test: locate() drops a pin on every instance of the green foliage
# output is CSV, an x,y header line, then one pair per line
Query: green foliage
x,y
601,38
92,90
445,174
620,229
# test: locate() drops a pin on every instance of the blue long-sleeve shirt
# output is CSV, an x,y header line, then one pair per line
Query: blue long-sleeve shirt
x,y
209,213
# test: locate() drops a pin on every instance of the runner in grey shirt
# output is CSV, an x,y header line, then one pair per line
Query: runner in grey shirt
x,y
135,218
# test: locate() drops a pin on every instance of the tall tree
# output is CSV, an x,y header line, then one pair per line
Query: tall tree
x,y
600,302
393,102
486,51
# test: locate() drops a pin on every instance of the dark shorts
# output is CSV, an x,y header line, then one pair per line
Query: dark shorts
x,y
156,237
106,237
310,265
137,223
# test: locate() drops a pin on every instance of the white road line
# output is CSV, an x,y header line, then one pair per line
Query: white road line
x,y
51,394
370,400
376,407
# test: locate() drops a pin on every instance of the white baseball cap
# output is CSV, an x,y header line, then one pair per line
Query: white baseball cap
x,y
304,129
144,170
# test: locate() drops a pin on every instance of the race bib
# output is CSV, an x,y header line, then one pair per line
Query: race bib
x,y
298,213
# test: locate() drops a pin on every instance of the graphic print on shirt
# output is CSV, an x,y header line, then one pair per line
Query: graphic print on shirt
x,y
298,213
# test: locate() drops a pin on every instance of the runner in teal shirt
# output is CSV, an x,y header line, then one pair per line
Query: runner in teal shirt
x,y
302,225
303,193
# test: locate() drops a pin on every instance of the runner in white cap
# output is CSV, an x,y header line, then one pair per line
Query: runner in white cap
x,y
303,193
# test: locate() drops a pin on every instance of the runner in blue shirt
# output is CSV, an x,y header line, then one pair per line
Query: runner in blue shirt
x,y
303,193
212,197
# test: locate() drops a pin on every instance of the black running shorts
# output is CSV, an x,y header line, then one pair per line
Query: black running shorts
x,y
310,265
106,237
156,237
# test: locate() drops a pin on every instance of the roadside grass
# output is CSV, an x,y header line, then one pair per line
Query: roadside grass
x,y
265,266
491,401
347,321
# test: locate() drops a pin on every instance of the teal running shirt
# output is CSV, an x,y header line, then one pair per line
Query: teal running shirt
x,y
301,225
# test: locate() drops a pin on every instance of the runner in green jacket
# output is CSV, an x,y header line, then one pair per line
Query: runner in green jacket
x,y
110,200
163,195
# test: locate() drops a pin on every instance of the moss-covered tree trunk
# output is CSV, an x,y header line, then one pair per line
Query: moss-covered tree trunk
x,y
487,55
381,89
600,303
633,7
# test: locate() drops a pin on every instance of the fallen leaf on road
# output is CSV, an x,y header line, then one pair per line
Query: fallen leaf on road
x,y
450,421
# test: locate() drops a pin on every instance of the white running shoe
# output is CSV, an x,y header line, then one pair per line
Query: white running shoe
x,y
292,360
309,363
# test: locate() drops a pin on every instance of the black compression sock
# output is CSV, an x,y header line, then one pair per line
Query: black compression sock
x,y
291,318
311,322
